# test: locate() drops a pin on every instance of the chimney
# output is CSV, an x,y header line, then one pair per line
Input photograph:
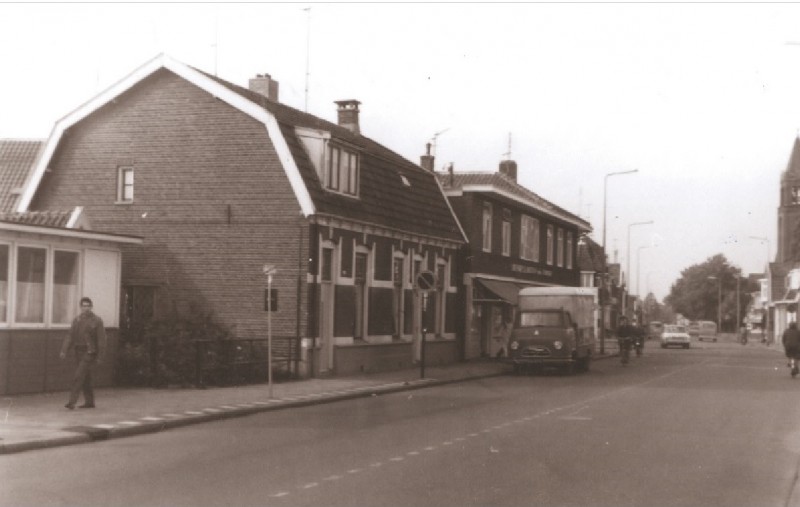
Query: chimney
x,y
348,115
509,168
426,161
265,85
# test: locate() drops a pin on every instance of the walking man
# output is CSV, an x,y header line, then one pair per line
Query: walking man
x,y
88,337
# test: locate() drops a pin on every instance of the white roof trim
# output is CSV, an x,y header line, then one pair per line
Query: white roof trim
x,y
522,200
69,233
74,217
198,79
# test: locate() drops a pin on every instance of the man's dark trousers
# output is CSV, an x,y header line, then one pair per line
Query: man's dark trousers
x,y
82,381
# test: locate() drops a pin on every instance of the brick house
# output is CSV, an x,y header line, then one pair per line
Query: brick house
x,y
221,180
516,239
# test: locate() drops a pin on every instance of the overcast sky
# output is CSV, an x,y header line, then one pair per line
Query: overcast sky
x,y
702,99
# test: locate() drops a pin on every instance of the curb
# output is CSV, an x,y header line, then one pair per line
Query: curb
x,y
100,432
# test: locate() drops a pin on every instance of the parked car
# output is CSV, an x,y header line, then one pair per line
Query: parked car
x,y
707,330
675,335
693,329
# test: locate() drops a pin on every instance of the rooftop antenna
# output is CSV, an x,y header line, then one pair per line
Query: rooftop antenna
x,y
308,50
435,137
508,153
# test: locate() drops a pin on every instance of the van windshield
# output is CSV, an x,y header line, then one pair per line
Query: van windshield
x,y
547,319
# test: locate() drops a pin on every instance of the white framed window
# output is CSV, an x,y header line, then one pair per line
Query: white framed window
x,y
31,271
342,173
587,279
550,245
560,247
570,250
529,239
65,286
125,184
506,233
487,227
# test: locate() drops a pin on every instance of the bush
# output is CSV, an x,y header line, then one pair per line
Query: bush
x,y
167,351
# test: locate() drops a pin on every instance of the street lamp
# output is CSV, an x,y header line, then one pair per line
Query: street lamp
x,y
638,266
628,268
719,301
603,309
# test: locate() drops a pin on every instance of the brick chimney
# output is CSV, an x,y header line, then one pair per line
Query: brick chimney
x,y
348,114
265,85
509,168
426,161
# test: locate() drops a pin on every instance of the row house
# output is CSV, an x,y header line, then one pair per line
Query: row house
x,y
220,181
516,239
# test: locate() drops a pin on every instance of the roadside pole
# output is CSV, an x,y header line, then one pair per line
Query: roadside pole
x,y
269,270
425,283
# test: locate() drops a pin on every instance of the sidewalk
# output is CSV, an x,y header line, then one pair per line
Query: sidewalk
x,y
37,421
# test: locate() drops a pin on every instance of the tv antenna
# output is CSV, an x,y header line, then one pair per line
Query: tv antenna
x,y
435,137
508,153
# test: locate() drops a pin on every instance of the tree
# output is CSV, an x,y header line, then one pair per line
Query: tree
x,y
696,294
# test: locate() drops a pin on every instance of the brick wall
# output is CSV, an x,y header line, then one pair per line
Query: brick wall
x,y
211,201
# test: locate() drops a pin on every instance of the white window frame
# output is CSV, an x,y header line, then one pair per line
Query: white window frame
x,y
570,249
123,185
487,226
52,274
506,233
560,247
338,175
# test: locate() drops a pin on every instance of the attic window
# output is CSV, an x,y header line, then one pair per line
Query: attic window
x,y
405,181
342,170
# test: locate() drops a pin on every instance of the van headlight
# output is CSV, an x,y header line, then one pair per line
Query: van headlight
x,y
558,345
514,345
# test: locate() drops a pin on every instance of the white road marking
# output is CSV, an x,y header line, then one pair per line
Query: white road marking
x,y
413,453
332,478
397,458
278,495
151,418
130,423
354,471
311,485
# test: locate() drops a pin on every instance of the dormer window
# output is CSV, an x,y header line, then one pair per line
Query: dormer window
x,y
342,170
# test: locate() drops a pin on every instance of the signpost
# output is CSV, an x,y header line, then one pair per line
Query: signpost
x,y
269,270
425,283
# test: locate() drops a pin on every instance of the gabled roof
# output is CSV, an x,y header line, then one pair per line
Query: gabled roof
x,y
590,255
498,183
384,200
17,157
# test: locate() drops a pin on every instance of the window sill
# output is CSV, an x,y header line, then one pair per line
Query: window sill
x,y
123,203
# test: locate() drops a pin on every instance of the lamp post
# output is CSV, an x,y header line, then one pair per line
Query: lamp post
x,y
605,199
628,268
638,266
719,301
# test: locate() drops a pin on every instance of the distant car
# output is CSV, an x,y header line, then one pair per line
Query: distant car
x,y
693,329
675,335
654,329
707,330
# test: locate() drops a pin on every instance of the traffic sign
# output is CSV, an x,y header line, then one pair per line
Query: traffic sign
x,y
426,280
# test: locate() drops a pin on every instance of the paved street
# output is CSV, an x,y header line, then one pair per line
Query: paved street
x,y
713,425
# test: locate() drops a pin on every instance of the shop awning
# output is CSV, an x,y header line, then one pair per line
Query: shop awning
x,y
496,290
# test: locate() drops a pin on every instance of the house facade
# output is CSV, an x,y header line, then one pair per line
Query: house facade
x,y
221,180
516,239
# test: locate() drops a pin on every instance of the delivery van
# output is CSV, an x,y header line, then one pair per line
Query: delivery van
x,y
554,326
